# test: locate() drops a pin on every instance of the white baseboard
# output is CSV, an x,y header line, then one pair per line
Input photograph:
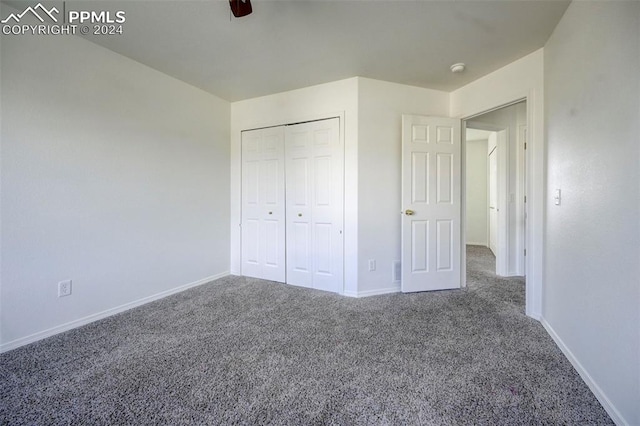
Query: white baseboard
x,y
597,391
471,243
104,314
376,292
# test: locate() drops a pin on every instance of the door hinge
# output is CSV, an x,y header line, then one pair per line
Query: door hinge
x,y
525,252
525,145
525,198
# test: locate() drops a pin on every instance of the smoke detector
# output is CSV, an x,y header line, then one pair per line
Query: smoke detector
x,y
459,67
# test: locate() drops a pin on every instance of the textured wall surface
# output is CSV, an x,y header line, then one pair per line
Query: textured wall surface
x,y
114,175
592,250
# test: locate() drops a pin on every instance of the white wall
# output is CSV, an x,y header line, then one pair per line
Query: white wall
x,y
477,192
592,250
381,105
518,80
322,101
113,175
511,118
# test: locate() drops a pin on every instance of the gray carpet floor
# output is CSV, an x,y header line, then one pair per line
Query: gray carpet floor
x,y
246,351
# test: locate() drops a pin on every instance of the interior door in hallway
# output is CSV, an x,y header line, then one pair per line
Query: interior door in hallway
x,y
263,204
314,198
431,202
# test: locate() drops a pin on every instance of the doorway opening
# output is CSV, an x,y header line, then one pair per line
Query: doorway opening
x,y
495,211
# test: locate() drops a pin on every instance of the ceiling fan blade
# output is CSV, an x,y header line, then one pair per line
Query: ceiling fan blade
x,y
240,7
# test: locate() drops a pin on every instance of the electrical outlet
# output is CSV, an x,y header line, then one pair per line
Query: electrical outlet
x,y
372,265
64,288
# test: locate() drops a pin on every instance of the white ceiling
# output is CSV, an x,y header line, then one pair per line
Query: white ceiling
x,y
286,45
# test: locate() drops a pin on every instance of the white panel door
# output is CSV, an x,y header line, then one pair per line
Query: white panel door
x,y
431,203
263,204
314,190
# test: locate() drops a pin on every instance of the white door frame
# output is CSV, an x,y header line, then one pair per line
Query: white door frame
x,y
533,266
521,197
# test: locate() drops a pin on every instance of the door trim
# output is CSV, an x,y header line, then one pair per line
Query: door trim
x,y
535,199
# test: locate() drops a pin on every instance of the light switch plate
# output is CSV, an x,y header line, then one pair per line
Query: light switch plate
x,y
557,197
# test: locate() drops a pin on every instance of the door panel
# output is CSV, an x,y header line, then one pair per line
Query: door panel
x,y
420,177
298,210
322,237
251,182
272,230
444,177
444,245
322,181
272,186
263,208
420,246
298,182
314,187
431,202
250,248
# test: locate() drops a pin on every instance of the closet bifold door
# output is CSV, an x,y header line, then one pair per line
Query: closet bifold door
x,y
263,204
314,205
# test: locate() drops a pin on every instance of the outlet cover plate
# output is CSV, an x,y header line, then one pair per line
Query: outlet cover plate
x,y
64,288
372,265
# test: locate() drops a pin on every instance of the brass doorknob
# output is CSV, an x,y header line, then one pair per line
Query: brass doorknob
x,y
409,212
